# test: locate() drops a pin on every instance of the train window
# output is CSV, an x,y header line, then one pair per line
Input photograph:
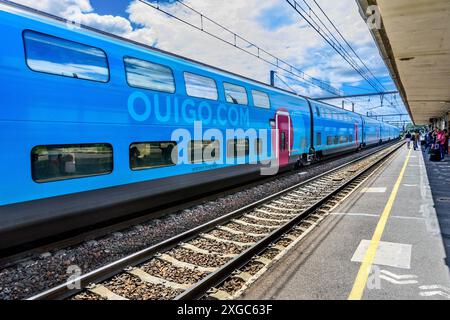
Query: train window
x,y
62,162
66,58
350,138
235,94
319,138
204,151
237,148
200,87
148,155
259,146
283,141
336,140
329,140
148,75
261,99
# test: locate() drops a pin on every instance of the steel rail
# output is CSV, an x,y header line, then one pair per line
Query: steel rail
x,y
76,285
216,278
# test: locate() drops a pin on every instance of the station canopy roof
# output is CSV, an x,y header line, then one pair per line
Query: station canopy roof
x,y
414,41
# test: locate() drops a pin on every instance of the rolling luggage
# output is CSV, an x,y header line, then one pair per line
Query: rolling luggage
x,y
435,154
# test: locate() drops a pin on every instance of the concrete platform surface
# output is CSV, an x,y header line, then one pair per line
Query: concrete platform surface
x,y
399,234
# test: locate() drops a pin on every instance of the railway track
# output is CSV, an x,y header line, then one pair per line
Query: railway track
x,y
221,258
13,256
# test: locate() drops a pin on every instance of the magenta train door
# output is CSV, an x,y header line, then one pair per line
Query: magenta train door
x,y
283,126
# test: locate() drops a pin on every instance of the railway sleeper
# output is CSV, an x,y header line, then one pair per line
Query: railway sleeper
x,y
145,277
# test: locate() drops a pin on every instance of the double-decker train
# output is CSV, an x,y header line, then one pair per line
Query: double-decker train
x,y
87,124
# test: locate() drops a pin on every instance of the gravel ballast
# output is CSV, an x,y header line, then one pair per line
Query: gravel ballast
x,y
40,273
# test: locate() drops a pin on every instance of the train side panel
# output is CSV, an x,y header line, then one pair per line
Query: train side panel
x,y
60,110
335,130
372,131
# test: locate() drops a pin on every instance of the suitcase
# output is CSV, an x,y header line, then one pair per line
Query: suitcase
x,y
435,155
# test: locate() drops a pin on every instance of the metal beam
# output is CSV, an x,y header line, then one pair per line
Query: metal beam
x,y
391,115
358,95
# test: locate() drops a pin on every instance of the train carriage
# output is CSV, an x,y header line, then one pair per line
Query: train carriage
x,y
94,127
335,130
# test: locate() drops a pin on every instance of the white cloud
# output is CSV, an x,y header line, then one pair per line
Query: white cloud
x,y
81,12
290,39
58,7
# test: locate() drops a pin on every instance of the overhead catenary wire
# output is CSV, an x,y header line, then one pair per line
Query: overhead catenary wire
x,y
322,29
349,45
259,53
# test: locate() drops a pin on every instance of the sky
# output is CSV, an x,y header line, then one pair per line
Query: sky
x,y
271,24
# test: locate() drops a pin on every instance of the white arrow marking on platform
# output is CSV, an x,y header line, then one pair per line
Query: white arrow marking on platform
x,y
399,277
435,293
434,287
398,282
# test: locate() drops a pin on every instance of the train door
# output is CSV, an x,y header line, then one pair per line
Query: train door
x,y
356,133
283,127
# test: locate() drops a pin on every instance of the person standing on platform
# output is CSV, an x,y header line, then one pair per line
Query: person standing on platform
x,y
422,139
414,140
446,146
441,139
428,141
408,139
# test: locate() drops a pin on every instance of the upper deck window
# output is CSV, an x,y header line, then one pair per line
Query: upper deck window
x,y
261,99
200,87
66,58
235,94
148,75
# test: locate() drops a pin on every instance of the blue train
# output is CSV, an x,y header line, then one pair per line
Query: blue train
x,y
88,122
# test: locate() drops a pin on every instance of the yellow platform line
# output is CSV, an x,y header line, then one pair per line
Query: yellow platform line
x,y
366,265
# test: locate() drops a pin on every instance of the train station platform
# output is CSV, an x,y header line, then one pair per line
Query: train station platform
x,y
389,240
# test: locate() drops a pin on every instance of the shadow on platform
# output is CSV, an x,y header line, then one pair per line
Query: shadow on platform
x,y
439,179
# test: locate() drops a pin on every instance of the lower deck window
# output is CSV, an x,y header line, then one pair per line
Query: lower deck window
x,y
204,151
53,163
319,138
330,140
238,148
148,155
343,139
259,147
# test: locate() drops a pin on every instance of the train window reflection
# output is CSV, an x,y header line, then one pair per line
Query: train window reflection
x,y
147,75
57,56
237,148
235,94
53,163
148,155
204,151
200,87
259,145
261,99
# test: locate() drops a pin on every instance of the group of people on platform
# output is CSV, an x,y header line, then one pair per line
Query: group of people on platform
x,y
435,142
